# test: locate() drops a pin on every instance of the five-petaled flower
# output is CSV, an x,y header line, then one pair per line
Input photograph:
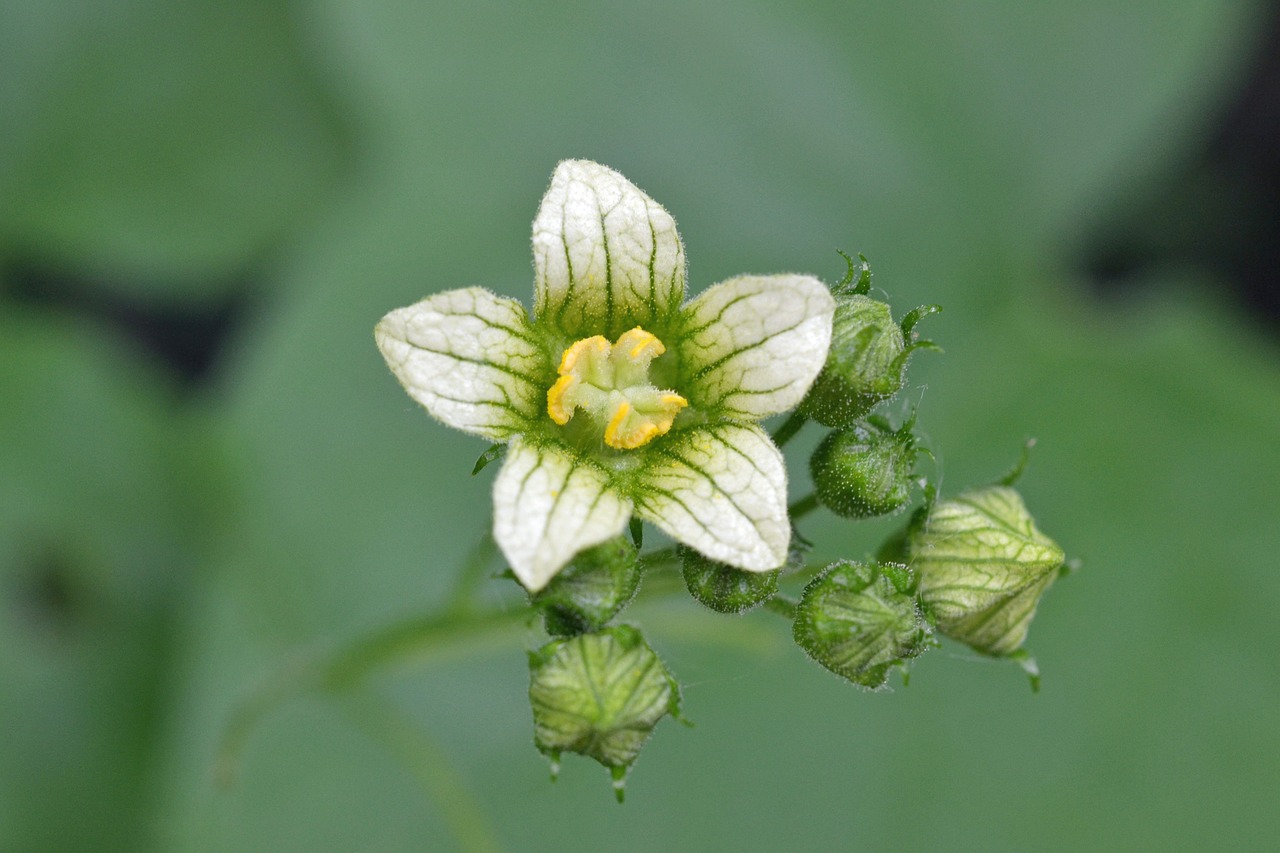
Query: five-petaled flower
x,y
617,397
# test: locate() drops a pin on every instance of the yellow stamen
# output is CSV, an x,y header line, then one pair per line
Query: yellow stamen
x,y
615,424
643,433
638,343
611,382
559,409
569,361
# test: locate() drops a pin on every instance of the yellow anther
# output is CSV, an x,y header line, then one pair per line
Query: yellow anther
x,y
611,382
639,437
615,424
595,345
558,407
638,343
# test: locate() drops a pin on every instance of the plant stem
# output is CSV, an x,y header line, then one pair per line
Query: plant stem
x,y
421,638
660,558
475,571
789,428
783,605
804,506
407,740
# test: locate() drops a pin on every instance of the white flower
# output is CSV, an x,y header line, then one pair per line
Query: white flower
x,y
616,396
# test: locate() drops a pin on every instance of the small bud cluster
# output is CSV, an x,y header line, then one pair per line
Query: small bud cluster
x,y
864,468
617,403
972,568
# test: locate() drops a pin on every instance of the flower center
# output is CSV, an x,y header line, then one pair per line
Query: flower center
x,y
611,384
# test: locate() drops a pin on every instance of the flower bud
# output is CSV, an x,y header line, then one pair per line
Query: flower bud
x,y
860,619
596,585
865,470
983,566
724,588
867,361
599,695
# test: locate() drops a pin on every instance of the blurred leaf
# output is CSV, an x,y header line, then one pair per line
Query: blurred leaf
x,y
159,141
102,491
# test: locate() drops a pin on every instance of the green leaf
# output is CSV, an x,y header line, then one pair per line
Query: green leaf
x,y
164,144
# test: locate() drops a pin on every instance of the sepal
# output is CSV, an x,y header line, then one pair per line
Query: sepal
x,y
599,695
867,361
983,566
859,620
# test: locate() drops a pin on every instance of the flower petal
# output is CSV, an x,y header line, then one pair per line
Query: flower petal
x,y
606,257
753,345
548,506
470,358
721,489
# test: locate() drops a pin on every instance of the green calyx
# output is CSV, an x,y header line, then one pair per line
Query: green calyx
x,y
725,589
599,695
859,620
983,566
866,470
867,362
594,588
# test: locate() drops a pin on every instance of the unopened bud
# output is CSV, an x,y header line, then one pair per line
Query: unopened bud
x,y
860,619
867,361
591,590
983,566
865,470
599,695
724,588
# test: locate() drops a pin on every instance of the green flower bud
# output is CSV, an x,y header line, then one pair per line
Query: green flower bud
x,y
983,566
596,585
724,588
865,470
860,619
599,695
867,361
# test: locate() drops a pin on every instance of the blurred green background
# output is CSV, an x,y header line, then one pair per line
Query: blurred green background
x,y
206,470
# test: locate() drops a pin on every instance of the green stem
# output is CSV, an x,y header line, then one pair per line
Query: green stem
x,y
789,428
406,740
783,605
475,571
661,558
421,638
804,506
